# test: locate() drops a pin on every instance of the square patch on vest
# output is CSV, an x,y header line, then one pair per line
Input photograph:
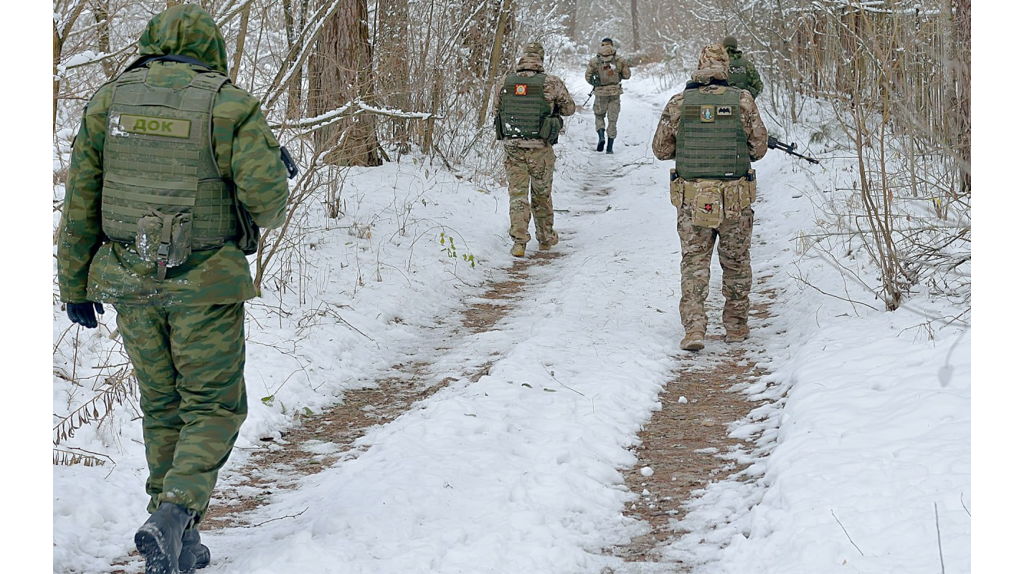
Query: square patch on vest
x,y
520,89
724,111
707,114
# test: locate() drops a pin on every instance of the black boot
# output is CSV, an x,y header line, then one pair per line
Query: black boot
x,y
194,554
611,142
600,140
159,539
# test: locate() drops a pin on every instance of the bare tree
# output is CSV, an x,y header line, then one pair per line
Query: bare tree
x,y
341,75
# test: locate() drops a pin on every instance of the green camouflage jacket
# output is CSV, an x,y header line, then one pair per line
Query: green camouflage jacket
x,y
90,267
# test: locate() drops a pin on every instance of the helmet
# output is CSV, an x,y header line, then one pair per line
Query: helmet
x,y
729,42
534,48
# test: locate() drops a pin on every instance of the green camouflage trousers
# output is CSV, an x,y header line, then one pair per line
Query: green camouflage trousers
x,y
530,171
189,361
607,105
697,244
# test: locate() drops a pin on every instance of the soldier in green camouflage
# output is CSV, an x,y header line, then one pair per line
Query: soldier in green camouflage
x,y
713,131
742,72
530,105
605,72
173,171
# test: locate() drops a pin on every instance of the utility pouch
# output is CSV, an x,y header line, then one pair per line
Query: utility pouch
x,y
164,239
549,129
707,204
675,190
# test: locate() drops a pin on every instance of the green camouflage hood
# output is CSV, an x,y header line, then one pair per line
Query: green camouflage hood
x,y
187,30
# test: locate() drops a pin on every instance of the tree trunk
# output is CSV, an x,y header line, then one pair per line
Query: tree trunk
x,y
495,60
101,11
634,13
391,56
340,74
243,27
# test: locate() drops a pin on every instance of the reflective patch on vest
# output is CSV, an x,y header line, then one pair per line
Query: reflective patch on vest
x,y
520,90
707,114
125,124
724,111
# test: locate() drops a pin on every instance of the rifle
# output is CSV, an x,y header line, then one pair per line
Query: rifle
x,y
590,95
790,149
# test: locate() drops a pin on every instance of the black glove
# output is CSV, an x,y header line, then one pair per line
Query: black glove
x,y
84,313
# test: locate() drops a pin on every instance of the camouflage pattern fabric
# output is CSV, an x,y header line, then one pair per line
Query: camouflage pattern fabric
x,y
530,171
611,106
606,54
733,237
742,73
189,362
91,268
555,92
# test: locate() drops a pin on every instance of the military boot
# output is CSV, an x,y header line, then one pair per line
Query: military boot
x,y
611,143
519,249
693,341
737,333
547,245
600,140
159,539
194,554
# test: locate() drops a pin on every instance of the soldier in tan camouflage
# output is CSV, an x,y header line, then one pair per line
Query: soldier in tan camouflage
x,y
605,72
172,170
713,132
530,105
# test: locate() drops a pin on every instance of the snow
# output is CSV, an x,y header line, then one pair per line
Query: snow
x,y
861,454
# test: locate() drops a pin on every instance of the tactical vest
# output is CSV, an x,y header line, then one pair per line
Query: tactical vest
x,y
523,107
711,142
606,72
738,73
158,158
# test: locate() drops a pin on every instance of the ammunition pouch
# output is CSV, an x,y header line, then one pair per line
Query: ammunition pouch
x,y
164,239
714,201
549,129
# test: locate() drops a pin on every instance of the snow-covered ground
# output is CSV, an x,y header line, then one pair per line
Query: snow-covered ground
x,y
862,458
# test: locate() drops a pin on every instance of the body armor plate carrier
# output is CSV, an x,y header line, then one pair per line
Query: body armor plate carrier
x,y
523,108
160,176
711,142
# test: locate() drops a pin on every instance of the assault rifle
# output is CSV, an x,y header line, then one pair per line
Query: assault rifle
x,y
790,149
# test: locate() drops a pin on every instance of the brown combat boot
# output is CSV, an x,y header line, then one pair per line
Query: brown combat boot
x,y
737,334
692,341
519,250
546,246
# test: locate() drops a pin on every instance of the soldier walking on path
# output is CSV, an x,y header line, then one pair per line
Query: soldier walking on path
x,y
713,132
530,105
742,72
172,171
605,72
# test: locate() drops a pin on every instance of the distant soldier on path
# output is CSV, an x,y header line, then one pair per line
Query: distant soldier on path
x,y
172,171
530,105
605,72
713,132
742,72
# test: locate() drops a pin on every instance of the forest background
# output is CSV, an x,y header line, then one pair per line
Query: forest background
x,y
416,78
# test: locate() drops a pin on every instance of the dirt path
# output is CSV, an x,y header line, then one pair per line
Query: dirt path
x,y
683,442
